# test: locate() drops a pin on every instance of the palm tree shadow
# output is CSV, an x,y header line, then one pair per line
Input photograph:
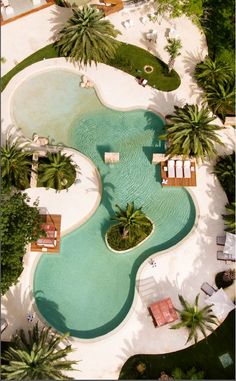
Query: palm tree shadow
x,y
157,131
191,59
59,17
107,197
50,309
102,149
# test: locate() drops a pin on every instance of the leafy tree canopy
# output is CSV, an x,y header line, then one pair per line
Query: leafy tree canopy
x,y
219,25
225,171
177,8
229,218
19,225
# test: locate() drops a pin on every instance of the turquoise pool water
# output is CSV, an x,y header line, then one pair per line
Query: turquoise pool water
x,y
87,289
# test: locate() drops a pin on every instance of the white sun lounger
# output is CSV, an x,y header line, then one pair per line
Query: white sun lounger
x,y
171,169
221,256
179,169
144,19
131,23
220,240
208,289
187,172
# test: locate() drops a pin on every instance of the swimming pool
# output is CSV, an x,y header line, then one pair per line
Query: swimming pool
x,y
87,289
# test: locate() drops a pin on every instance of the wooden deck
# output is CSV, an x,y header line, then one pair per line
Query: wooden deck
x,y
36,9
178,182
54,219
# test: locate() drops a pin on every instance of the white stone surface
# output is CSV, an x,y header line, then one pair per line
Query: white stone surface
x,y
181,269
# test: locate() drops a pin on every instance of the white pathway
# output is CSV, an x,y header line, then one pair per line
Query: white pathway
x,y
183,268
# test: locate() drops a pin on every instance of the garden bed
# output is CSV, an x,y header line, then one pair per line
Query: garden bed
x,y
116,242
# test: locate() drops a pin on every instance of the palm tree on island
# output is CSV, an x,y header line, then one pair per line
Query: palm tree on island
x,y
132,228
87,37
131,220
190,133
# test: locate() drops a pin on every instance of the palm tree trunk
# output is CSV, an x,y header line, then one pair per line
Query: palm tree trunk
x,y
125,233
171,64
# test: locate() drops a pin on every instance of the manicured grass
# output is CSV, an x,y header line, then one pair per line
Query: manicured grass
x,y
129,58
117,242
46,52
132,59
204,356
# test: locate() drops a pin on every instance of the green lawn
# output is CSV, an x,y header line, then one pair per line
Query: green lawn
x,y
204,356
129,58
132,59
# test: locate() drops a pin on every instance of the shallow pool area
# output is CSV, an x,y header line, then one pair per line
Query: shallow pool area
x,y
87,289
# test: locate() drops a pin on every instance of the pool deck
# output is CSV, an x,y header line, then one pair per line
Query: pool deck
x,y
179,270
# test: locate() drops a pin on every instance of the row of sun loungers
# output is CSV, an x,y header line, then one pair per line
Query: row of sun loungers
x,y
179,170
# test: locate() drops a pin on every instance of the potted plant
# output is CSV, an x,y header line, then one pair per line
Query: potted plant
x,y
225,278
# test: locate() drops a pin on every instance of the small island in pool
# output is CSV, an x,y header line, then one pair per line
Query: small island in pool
x,y
133,228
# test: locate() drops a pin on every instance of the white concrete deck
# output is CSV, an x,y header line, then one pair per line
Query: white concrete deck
x,y
180,270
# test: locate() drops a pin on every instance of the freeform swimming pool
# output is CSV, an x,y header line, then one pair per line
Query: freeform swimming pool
x,y
87,289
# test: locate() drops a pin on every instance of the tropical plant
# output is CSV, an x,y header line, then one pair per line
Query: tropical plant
x,y
56,171
87,37
131,220
224,169
221,98
16,166
37,356
177,8
190,133
219,26
211,72
173,48
229,218
229,275
194,319
19,225
191,374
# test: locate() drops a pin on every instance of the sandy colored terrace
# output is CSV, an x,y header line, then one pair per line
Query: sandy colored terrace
x,y
187,265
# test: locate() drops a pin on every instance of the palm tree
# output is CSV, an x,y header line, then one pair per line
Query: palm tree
x,y
191,374
173,48
221,98
229,218
86,37
224,169
190,133
57,171
131,220
209,72
36,357
16,166
195,319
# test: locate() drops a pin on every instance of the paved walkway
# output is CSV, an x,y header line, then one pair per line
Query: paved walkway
x,y
183,268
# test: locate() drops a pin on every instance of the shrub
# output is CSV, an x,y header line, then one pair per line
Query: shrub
x,y
225,279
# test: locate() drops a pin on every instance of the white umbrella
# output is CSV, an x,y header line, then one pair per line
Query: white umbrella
x,y
222,305
230,243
